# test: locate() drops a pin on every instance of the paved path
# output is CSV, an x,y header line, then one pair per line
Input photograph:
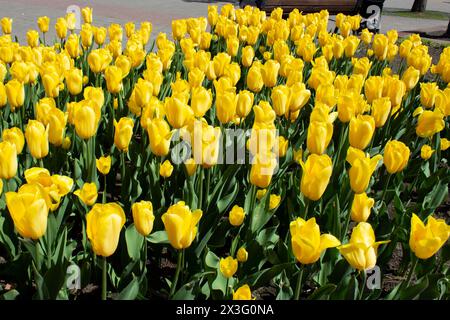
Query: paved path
x,y
162,12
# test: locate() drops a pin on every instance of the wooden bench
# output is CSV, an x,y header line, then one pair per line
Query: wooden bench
x,y
370,10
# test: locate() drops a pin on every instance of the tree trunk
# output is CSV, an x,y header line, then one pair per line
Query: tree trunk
x,y
419,6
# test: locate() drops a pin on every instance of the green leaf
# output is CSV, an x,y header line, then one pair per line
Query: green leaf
x,y
130,292
186,292
134,242
10,295
413,292
323,293
263,277
158,237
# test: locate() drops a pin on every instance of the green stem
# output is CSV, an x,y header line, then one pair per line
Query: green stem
x,y
177,273
104,189
385,187
363,284
36,269
200,197
41,163
208,181
226,289
411,272
104,278
49,253
298,289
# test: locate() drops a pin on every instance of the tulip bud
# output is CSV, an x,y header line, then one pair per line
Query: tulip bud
x,y
381,109
315,176
236,216
244,103
15,92
263,167
274,201
428,93
242,255
61,28
160,135
228,267
361,131
396,156
87,194
373,88
248,54
37,139
43,23
8,160
181,224
361,207
104,223
426,152
226,104
191,167
103,165
410,78
254,78
280,99
86,12
243,293
6,23
166,169
143,217
269,73
74,81
123,133
362,168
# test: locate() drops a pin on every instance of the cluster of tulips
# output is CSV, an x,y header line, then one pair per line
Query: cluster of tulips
x,y
116,157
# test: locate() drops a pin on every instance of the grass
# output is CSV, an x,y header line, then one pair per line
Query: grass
x,y
429,14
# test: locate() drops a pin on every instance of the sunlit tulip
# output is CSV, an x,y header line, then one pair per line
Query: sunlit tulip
x,y
263,167
248,54
362,168
428,92
86,119
445,144
28,210
178,113
280,99
99,60
6,24
316,175
236,216
15,92
87,194
373,88
243,293
361,251
61,28
123,133
410,77
426,152
228,266
37,139
361,207
113,76
269,73
56,126
86,12
86,35
8,160
143,217
254,78
299,96
226,104
381,109
426,240
443,102
244,103
396,156
361,131
74,81
103,164
307,242
180,224
99,35
380,46
14,136
201,101
166,169
429,123
104,223
191,166
242,255
319,136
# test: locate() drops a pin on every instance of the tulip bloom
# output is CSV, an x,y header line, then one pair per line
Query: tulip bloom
x,y
381,109
263,167
243,293
56,126
6,24
361,207
426,240
37,139
307,242
143,217
236,216
15,136
396,156
244,103
178,113
228,267
85,119
103,165
87,14
104,223
226,104
429,123
15,92
181,224
166,169
361,131
8,160
426,152
254,78
61,28
248,54
74,81
362,168
428,93
373,88
410,77
28,210
269,72
319,136
87,194
280,99
242,255
201,101
316,175
123,133
361,251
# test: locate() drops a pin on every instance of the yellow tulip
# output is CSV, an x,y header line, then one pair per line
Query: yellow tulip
x,y
281,146
396,156
99,35
428,93
319,136
37,139
86,35
274,201
72,46
178,112
361,251
361,131
94,95
410,77
191,167
71,20
380,46
269,73
196,77
226,104
228,267
232,46
366,36
396,90
263,167
445,144
28,210
242,255
299,96
348,105
248,54
15,136
74,81
362,168
243,293
104,223
236,216
6,23
361,207
123,133
429,123
381,109
205,142
426,240
99,60
115,32
280,99
51,84
113,76
8,160
86,119
15,92
86,12
166,169
244,103
143,217
373,88
56,126
103,165
61,28
3,96
316,175
426,152
307,242
87,194
179,29
180,224
254,78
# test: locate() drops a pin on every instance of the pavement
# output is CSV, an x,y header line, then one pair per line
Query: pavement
x,y
161,12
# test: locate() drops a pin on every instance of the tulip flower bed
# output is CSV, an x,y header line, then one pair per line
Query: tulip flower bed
x,y
251,156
